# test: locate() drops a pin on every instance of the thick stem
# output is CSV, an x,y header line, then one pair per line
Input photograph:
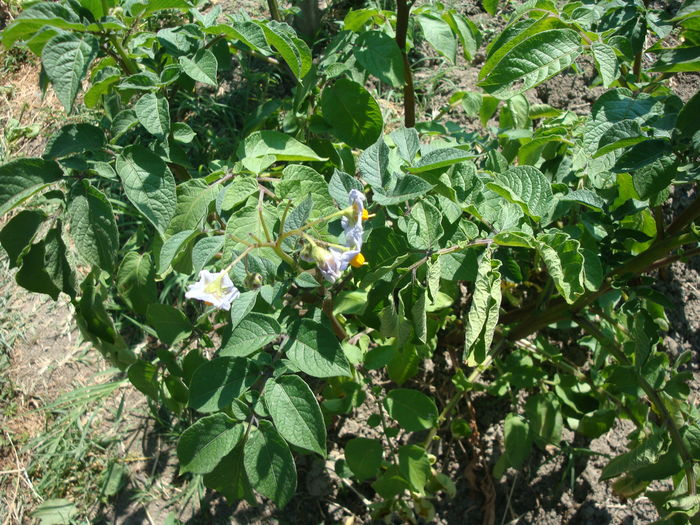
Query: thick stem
x,y
559,310
637,67
274,10
685,218
409,94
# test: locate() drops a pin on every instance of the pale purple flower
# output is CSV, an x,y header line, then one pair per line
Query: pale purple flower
x,y
335,263
354,229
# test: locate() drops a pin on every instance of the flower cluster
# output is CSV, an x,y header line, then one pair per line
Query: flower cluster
x,y
217,289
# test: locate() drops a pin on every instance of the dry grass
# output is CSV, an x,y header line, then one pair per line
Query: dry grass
x,y
22,105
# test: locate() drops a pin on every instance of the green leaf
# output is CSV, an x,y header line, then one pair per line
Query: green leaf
x,y
74,138
364,457
66,59
301,182
380,56
678,60
526,187
33,276
183,133
293,50
413,410
606,61
536,59
407,143
316,351
56,263
340,185
201,67
93,228
45,268
22,178
490,6
148,7
204,250
295,413
242,306
122,123
545,419
588,198
252,333
174,249
374,165
136,281
238,191
414,465
391,483
203,445
515,34
406,188
621,134
518,441
423,226
34,17
269,464
484,310
688,124
404,362
148,184
280,146
170,324
655,177
19,233
440,158
229,477
643,455
352,113
438,33
216,383
55,512
564,262
143,376
153,113
193,200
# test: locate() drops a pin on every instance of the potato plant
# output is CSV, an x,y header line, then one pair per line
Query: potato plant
x,y
294,256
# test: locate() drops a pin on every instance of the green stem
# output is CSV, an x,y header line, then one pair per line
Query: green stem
x,y
321,220
409,95
457,397
127,63
653,396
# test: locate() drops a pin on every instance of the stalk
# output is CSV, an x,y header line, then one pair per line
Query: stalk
x,y
409,94
274,10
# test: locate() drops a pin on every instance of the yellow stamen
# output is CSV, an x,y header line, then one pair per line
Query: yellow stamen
x,y
214,287
365,215
357,261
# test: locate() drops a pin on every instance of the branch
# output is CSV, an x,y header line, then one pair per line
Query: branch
x,y
653,396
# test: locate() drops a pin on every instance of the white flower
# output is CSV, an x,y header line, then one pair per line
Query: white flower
x,y
335,263
215,289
